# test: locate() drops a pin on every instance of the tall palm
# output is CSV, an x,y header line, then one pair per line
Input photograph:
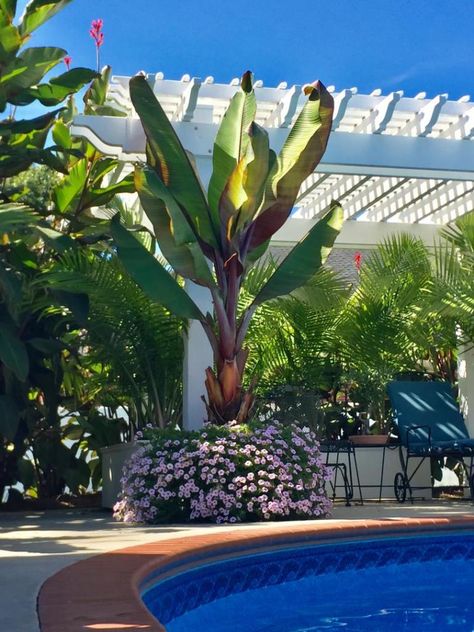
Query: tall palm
x,y
389,325
137,342
452,289
291,338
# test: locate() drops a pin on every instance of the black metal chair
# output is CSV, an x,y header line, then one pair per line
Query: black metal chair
x,y
338,448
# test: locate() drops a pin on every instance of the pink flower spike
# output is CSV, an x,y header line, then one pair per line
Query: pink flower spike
x,y
358,260
67,60
96,32
98,36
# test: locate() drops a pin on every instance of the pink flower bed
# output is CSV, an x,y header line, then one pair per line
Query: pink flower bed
x,y
225,474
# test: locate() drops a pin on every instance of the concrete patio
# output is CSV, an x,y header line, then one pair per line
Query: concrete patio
x,y
35,545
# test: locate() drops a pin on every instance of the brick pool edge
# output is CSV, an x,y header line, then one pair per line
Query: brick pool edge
x,y
102,592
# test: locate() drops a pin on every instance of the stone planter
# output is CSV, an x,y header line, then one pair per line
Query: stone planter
x,y
113,460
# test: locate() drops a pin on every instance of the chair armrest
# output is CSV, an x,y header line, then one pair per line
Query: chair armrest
x,y
413,428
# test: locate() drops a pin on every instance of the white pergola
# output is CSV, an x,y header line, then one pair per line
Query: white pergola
x,y
394,162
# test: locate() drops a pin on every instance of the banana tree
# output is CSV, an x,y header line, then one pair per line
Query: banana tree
x,y
214,239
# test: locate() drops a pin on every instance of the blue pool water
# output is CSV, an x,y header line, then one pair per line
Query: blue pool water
x,y
413,583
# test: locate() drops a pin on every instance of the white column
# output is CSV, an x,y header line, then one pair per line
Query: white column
x,y
466,385
197,350
197,357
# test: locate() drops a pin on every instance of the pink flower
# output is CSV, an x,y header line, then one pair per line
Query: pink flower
x,y
67,60
358,260
96,32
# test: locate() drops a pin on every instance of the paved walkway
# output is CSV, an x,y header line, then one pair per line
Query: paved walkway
x,y
34,546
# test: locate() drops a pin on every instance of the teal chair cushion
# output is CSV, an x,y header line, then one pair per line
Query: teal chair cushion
x,y
429,405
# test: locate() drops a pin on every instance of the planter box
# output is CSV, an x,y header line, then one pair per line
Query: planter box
x,y
113,460
369,439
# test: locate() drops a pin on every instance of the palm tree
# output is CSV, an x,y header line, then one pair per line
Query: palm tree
x,y
452,288
136,342
390,326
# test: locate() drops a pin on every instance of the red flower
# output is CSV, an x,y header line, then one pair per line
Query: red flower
x,y
358,260
96,32
67,60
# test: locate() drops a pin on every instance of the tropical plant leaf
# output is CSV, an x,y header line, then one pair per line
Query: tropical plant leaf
x,y
150,275
58,88
69,190
47,346
28,125
305,259
13,352
102,196
232,141
27,69
138,339
37,12
10,42
256,173
170,160
14,216
55,240
172,231
301,153
7,11
97,92
9,417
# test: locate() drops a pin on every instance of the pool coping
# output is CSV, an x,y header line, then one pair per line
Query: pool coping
x,y
103,592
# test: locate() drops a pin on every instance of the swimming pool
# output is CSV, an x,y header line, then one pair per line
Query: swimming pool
x,y
391,583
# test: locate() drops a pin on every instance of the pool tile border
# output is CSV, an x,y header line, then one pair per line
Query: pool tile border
x,y
103,592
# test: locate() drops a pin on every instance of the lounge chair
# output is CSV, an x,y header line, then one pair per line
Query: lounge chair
x,y
430,425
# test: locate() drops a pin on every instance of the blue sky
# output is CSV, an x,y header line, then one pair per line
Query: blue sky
x,y
416,45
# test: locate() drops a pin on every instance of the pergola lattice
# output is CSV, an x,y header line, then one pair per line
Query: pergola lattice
x,y
390,158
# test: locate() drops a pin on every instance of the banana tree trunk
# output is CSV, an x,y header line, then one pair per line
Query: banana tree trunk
x,y
227,400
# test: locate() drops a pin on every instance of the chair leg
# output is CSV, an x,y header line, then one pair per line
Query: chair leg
x,y
406,480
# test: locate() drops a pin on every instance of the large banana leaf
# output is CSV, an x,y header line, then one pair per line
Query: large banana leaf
x,y
10,42
96,196
173,233
25,126
28,68
68,192
150,275
7,11
170,159
58,88
257,172
232,140
305,144
301,153
306,257
37,12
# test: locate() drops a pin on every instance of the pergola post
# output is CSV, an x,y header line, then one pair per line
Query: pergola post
x,y
466,385
197,357
197,350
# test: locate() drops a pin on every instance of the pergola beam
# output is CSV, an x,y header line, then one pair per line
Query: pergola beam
x,y
354,154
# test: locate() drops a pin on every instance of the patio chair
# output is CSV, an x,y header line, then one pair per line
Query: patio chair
x,y
430,425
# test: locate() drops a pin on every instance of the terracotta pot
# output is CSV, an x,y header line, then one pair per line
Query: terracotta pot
x,y
369,439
